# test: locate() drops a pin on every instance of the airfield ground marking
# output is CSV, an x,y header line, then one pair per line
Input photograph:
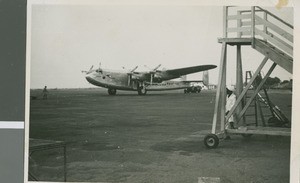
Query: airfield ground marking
x,y
209,180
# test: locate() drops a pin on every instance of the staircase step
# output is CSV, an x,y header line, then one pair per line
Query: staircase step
x,y
281,59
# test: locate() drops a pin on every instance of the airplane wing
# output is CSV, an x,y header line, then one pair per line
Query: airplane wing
x,y
190,70
159,76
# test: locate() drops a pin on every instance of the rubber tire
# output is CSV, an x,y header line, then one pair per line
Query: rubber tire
x,y
211,141
141,92
112,91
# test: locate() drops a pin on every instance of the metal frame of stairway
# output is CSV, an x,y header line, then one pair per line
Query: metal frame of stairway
x,y
263,107
269,35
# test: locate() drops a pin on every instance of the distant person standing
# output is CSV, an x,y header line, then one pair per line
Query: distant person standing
x,y
230,101
45,93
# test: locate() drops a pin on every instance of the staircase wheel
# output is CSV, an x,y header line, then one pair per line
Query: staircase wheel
x,y
211,141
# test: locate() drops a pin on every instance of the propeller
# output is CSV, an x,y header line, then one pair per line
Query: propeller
x,y
134,69
130,75
88,71
152,73
152,69
156,67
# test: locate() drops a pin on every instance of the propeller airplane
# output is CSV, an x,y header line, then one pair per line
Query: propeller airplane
x,y
154,80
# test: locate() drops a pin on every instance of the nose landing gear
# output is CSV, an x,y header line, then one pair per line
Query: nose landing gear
x,y
112,91
141,88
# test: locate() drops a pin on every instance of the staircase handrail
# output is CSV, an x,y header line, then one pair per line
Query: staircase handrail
x,y
276,17
275,31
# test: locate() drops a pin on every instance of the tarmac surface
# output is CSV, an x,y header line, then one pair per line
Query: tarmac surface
x,y
152,138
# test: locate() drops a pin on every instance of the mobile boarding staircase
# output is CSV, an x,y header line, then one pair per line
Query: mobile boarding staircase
x,y
269,35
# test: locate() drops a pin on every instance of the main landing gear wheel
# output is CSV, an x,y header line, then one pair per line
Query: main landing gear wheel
x,y
211,141
142,90
112,91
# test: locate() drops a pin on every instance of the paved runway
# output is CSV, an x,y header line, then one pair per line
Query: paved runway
x,y
152,138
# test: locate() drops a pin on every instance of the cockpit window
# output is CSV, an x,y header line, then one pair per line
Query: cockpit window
x,y
99,70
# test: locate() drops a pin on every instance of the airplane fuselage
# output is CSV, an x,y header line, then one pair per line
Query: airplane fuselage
x,y
155,80
121,81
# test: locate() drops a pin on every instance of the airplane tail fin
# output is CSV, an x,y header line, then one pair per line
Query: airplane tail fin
x,y
205,78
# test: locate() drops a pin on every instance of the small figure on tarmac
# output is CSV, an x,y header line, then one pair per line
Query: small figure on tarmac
x,y
230,101
45,93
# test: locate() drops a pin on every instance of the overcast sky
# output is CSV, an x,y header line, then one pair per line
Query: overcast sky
x,y
66,39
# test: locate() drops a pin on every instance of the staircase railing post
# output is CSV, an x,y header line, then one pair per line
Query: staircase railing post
x,y
265,26
225,21
239,25
253,25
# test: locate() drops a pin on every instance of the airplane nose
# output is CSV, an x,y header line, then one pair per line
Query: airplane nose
x,y
88,78
89,75
91,79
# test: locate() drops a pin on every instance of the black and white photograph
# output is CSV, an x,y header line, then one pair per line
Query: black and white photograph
x,y
132,92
